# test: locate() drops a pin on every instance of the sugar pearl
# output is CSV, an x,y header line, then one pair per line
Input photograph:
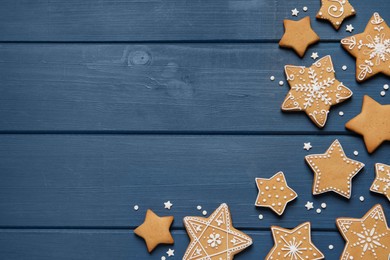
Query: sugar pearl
x,y
204,212
281,83
136,207
272,78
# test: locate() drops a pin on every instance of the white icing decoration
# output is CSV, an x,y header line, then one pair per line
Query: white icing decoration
x,y
336,11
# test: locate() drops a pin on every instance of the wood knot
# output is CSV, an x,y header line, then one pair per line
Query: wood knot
x,y
139,58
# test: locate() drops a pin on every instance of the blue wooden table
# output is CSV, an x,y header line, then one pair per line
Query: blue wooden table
x,y
109,104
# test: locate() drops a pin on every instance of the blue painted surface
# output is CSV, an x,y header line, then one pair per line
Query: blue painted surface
x,y
109,104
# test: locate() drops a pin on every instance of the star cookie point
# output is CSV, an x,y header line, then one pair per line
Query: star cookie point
x,y
314,90
214,237
381,183
274,193
333,171
293,244
367,237
373,123
155,230
335,11
370,48
298,35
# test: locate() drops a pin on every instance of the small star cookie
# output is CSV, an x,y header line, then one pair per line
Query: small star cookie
x,y
381,183
335,11
367,237
370,48
373,123
298,35
155,230
214,237
293,244
314,90
333,170
274,193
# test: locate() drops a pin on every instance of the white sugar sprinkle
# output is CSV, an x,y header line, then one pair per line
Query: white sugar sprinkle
x,y
199,207
341,113
163,258
305,8
136,207
323,205
204,212
356,153
281,83
272,78
361,198
386,86
383,93
344,67
318,211
261,216
330,247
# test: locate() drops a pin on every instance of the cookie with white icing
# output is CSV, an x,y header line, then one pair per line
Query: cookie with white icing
x,y
335,11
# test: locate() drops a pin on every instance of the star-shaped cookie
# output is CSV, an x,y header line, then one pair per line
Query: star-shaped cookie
x,y
293,244
333,170
370,48
155,230
381,183
274,193
314,90
367,237
373,123
298,35
214,237
335,11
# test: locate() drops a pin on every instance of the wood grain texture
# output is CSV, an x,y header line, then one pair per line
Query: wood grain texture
x,y
95,180
162,87
124,244
156,20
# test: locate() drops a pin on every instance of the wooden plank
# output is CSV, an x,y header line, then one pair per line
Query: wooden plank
x,y
123,244
161,87
95,180
156,20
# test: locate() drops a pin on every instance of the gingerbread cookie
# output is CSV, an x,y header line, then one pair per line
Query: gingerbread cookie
x,y
368,237
314,90
370,48
155,230
381,183
373,123
293,244
214,237
335,11
333,170
274,193
298,35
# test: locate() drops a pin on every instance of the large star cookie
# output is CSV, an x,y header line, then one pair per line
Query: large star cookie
x,y
373,123
293,244
214,237
274,193
333,170
335,11
155,230
298,35
371,49
367,237
381,183
314,90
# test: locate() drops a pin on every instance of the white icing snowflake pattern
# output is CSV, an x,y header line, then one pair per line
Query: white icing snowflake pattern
x,y
214,240
294,251
369,239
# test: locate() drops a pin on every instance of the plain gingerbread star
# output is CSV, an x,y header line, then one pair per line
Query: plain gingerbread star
x,y
335,11
298,35
214,237
155,230
293,244
381,183
274,193
333,170
370,48
373,123
314,90
368,237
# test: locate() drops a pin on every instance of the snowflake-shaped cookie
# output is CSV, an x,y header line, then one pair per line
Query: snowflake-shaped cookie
x,y
371,49
314,90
